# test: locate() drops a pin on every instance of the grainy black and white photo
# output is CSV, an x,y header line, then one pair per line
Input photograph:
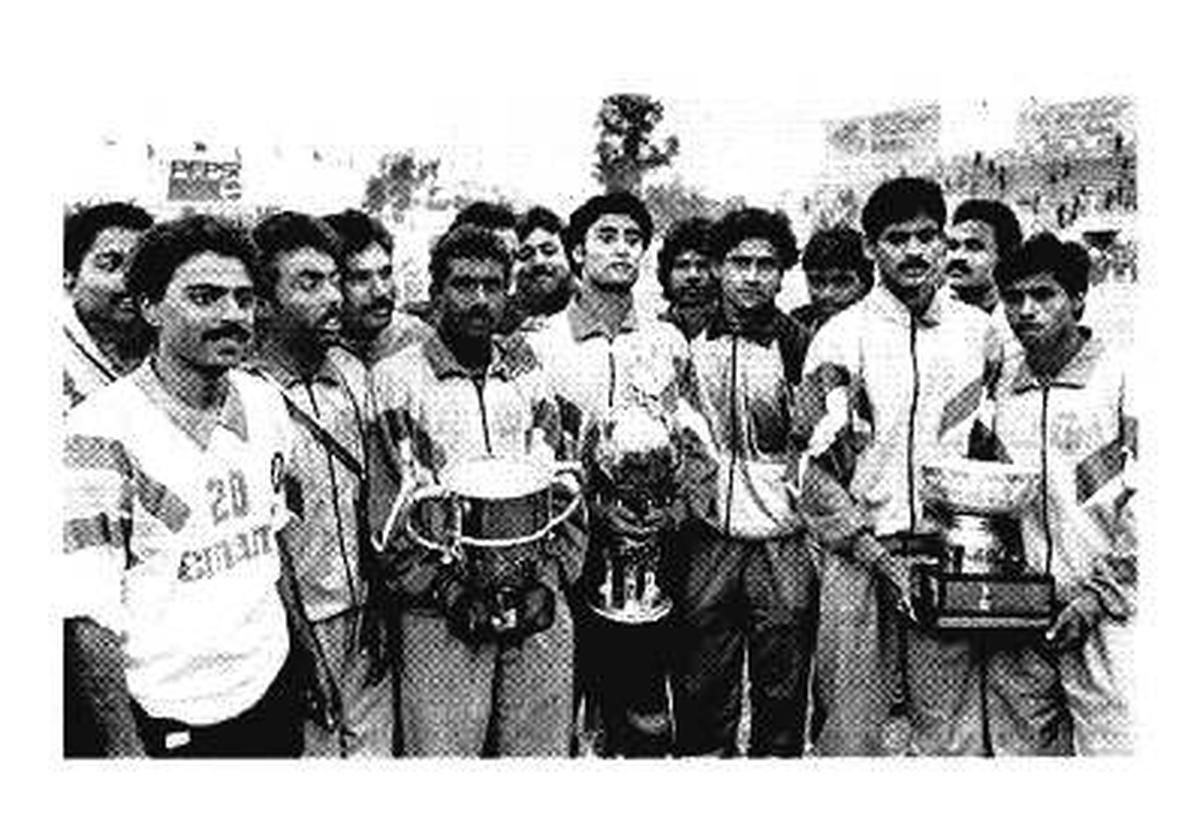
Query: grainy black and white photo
x,y
640,427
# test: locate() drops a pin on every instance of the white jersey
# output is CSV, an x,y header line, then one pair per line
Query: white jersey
x,y
169,533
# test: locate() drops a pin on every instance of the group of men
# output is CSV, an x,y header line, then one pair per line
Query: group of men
x,y
251,417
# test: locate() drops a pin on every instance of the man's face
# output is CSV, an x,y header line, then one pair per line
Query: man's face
x,y
541,268
833,290
909,256
368,292
308,300
472,297
206,315
1040,311
691,281
98,289
971,254
751,275
611,250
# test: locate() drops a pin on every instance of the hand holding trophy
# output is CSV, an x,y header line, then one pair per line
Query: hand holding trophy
x,y
631,464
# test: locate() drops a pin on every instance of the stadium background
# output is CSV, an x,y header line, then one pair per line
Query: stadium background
x,y
1069,166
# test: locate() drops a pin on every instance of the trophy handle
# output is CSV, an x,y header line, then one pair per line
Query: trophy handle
x,y
563,469
410,529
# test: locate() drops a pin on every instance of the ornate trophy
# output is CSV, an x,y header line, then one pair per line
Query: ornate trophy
x,y
491,516
977,576
629,457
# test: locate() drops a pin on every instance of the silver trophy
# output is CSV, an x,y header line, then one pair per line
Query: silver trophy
x,y
630,458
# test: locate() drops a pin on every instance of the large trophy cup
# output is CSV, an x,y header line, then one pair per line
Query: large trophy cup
x,y
629,458
977,576
491,517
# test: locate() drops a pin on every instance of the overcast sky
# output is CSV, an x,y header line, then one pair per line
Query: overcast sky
x,y
531,149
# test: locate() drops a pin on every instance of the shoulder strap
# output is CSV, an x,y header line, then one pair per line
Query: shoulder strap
x,y
301,417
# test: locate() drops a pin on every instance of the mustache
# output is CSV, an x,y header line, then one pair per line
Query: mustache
x,y
479,314
957,266
914,262
388,304
239,332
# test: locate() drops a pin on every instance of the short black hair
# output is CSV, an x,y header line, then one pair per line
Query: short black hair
x,y
466,241
900,200
689,234
752,222
611,203
486,214
539,217
1068,264
287,231
358,230
1005,227
81,228
837,248
166,246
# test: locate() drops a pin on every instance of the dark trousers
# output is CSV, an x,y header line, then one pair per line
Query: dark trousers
x,y
733,596
621,674
623,671
81,734
272,727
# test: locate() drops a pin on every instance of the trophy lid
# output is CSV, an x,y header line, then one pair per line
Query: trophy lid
x,y
978,486
497,477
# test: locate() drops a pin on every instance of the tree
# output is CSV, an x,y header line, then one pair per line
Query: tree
x,y
400,176
624,151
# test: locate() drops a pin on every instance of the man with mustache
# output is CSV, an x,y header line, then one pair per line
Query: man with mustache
x,y
600,355
889,383
745,575
178,614
372,326
300,321
544,283
981,234
466,686
685,270
105,336
838,273
1066,406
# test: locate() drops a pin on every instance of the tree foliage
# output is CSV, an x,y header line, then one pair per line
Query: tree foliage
x,y
392,188
625,151
674,200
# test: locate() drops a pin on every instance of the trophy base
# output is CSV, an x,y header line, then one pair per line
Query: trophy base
x,y
957,601
635,614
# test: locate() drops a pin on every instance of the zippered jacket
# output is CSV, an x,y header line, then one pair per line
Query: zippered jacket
x,y
429,413
1078,428
330,457
884,392
744,387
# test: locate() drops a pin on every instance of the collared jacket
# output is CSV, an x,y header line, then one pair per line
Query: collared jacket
x,y
744,385
645,364
86,368
1078,429
591,375
429,413
691,323
404,329
329,540
884,392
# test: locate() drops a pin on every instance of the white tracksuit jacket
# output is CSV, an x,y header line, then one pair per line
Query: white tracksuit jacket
x,y
1078,428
